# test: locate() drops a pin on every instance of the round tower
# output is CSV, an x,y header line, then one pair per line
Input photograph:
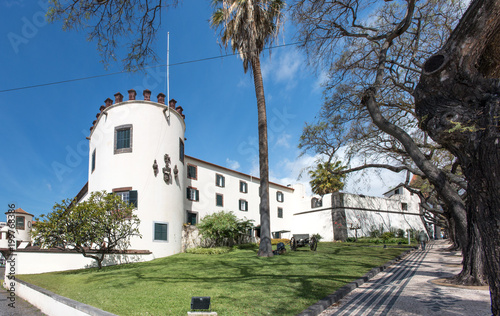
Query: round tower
x,y
137,152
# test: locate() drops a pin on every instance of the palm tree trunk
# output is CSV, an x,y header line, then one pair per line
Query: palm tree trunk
x,y
265,248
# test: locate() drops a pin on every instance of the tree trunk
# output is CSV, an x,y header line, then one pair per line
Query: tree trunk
x,y
445,190
458,103
265,247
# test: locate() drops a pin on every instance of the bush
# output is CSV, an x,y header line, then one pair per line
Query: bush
x,y
400,233
350,239
385,236
223,229
318,237
276,241
209,251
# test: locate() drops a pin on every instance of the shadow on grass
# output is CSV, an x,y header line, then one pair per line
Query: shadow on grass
x,y
281,285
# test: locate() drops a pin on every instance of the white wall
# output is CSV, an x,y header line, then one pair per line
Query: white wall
x,y
205,183
41,262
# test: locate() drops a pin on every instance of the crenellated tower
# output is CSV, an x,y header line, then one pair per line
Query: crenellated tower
x,y
137,152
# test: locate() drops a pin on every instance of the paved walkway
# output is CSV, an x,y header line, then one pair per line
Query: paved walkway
x,y
408,288
22,307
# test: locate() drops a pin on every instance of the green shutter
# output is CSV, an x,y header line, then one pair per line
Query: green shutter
x,y
132,198
197,195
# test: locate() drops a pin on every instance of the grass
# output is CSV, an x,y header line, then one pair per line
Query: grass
x,y
238,282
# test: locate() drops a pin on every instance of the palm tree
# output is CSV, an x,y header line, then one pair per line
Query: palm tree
x,y
249,25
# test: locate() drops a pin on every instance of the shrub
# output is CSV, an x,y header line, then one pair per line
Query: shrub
x,y
276,241
209,251
400,233
385,236
223,229
350,239
318,237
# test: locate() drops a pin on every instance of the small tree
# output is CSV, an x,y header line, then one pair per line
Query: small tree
x,y
93,227
223,228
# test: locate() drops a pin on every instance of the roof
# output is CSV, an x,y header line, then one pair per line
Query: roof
x,y
237,172
20,211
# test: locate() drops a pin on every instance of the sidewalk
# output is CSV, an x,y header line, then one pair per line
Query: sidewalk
x,y
410,288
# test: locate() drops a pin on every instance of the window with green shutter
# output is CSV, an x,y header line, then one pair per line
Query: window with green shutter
x,y
123,139
192,172
161,231
219,199
193,194
93,161
220,181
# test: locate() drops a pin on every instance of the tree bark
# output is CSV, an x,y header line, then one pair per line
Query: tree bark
x,y
458,103
265,247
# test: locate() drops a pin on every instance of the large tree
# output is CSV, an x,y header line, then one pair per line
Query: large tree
x,y
458,103
115,23
248,26
95,227
375,55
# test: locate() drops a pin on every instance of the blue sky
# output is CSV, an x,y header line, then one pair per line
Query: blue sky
x,y
44,153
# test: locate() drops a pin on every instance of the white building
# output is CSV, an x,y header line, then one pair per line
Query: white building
x,y
16,231
137,151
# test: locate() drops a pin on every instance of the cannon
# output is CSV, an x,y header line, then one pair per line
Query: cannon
x,y
303,240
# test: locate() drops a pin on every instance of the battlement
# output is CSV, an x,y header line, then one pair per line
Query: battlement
x,y
132,96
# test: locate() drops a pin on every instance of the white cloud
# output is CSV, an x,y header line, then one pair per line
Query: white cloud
x,y
283,140
369,182
232,164
317,85
283,68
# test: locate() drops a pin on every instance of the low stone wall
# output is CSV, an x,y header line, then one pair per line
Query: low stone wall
x,y
43,260
53,304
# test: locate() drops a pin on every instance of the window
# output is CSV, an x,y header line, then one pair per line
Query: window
x,y
315,202
193,194
219,199
161,231
280,212
192,172
396,191
243,205
279,196
20,222
181,150
243,187
127,195
404,206
192,218
123,139
93,160
220,181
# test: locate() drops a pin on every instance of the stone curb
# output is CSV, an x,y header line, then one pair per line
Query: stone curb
x,y
326,302
88,309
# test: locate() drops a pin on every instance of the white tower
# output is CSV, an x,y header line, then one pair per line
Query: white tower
x,y
137,151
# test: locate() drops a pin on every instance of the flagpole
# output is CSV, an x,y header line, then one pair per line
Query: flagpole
x,y
168,73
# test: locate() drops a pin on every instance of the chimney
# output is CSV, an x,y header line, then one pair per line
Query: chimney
x,y
131,94
147,95
161,98
97,115
172,103
108,102
118,97
102,108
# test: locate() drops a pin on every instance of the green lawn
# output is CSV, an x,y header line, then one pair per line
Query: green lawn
x,y
238,282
